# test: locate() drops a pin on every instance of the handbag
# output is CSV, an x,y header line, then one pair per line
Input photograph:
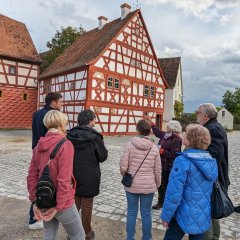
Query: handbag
x,y
221,204
45,190
128,178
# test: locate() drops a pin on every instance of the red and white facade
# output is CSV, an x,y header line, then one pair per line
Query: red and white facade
x,y
121,85
19,73
18,93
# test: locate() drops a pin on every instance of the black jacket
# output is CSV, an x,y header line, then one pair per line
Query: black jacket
x,y
89,152
38,128
219,149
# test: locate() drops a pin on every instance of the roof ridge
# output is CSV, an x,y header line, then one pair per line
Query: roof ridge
x,y
14,20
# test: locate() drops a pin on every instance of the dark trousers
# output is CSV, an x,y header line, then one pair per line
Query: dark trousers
x,y
31,215
163,187
86,206
174,232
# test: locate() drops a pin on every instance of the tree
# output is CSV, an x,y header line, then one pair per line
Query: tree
x,y
61,40
231,101
178,109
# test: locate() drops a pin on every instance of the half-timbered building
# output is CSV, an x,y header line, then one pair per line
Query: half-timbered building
x,y
172,71
113,70
19,72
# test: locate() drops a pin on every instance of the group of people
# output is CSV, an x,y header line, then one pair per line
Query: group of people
x,y
75,170
187,177
184,179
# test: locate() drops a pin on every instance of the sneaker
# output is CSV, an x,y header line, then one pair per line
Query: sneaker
x,y
237,209
36,226
157,206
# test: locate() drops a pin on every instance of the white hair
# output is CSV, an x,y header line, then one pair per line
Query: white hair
x,y
209,109
174,126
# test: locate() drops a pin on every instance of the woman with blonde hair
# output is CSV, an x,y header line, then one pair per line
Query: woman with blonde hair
x,y
169,144
187,205
61,172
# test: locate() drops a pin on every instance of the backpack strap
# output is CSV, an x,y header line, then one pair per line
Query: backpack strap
x,y
55,150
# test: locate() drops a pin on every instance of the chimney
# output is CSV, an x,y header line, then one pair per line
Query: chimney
x,y
101,22
125,10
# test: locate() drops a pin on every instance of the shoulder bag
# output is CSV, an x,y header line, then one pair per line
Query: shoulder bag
x,y
128,178
45,190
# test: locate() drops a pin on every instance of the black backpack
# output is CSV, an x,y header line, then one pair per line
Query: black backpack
x,y
45,190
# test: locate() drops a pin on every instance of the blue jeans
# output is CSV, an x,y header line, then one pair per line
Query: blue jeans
x,y
146,214
174,232
31,215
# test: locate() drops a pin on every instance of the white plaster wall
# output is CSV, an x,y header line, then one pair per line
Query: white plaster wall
x,y
227,120
168,105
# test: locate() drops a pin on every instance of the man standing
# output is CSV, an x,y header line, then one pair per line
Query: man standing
x,y
52,101
207,116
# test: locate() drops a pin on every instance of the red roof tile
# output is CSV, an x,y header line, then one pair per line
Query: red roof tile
x,y
170,67
87,47
16,41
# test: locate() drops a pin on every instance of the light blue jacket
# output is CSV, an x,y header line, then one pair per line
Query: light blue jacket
x,y
188,196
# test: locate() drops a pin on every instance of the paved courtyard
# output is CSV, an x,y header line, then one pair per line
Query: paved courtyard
x,y
15,155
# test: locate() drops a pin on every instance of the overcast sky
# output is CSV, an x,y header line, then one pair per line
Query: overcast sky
x,y
205,33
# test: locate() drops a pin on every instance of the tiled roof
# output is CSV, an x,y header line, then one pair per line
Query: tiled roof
x,y
170,67
87,47
15,41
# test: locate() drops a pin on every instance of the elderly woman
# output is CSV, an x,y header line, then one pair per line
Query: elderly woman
x,y
169,144
61,172
141,150
187,205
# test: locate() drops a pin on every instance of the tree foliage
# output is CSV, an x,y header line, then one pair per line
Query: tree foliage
x,y
178,109
60,41
231,101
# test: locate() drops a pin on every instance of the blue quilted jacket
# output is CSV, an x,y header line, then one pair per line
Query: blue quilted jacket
x,y
189,191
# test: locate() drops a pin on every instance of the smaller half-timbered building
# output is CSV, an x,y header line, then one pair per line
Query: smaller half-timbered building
x,y
19,73
113,70
172,71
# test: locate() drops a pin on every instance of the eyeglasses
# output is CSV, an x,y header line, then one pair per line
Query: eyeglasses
x,y
198,112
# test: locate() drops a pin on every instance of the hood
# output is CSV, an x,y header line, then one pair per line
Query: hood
x,y
203,161
142,143
51,139
82,134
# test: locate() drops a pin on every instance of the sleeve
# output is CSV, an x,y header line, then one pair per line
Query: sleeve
x,y
65,170
100,150
32,178
175,147
177,180
216,148
157,132
124,160
157,170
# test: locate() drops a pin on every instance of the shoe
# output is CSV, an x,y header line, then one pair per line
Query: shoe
x,y
91,236
157,206
237,209
36,226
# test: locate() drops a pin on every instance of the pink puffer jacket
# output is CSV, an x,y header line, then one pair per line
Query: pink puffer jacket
x,y
148,178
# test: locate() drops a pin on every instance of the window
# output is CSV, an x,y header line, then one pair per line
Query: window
x,y
136,31
72,85
223,113
135,63
25,97
152,90
62,86
110,82
47,86
1,94
146,91
12,70
116,83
